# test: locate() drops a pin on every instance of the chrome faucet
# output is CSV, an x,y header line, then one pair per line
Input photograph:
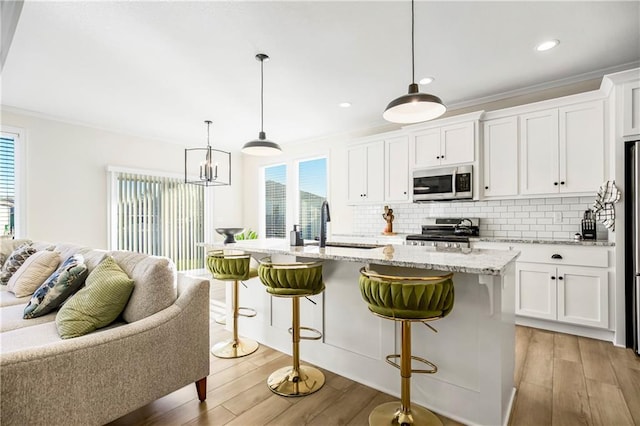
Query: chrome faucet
x,y
324,218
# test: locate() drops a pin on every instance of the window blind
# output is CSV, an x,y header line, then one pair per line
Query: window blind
x,y
312,190
160,216
275,181
7,184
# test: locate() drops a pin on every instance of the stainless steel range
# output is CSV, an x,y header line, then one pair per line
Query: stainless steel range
x,y
446,232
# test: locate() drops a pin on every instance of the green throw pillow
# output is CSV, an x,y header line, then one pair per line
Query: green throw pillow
x,y
98,304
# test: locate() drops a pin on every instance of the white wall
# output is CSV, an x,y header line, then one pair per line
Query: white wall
x,y
66,177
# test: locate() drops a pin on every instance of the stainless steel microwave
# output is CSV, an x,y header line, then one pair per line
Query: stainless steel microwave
x,y
443,183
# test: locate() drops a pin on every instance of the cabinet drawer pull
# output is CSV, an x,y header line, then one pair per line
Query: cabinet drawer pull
x,y
556,256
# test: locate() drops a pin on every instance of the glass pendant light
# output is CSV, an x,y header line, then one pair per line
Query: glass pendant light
x,y
214,170
261,146
414,107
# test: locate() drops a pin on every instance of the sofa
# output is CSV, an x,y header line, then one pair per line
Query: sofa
x,y
101,376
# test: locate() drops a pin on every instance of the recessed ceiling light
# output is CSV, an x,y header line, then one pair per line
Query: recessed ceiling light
x,y
426,80
546,45
344,104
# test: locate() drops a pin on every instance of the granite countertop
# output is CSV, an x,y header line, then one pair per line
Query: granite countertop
x,y
544,241
471,261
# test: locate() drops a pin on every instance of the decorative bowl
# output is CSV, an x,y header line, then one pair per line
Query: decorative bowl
x,y
229,234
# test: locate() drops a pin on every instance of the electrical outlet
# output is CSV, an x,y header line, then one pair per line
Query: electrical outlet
x,y
557,217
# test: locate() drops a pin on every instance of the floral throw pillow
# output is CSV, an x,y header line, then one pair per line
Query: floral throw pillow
x,y
58,287
15,261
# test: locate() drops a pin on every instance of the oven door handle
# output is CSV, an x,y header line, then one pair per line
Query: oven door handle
x,y
420,188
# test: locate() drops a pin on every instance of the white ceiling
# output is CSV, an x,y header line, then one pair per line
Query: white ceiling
x,y
159,69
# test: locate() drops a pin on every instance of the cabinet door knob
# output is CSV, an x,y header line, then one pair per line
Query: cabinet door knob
x,y
486,187
442,156
560,278
405,192
555,183
562,183
556,256
438,157
552,277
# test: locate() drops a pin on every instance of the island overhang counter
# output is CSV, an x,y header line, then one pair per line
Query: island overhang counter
x,y
474,347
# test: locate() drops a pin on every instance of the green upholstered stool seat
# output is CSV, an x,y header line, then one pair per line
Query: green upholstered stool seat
x,y
406,299
294,280
230,266
291,279
233,265
414,298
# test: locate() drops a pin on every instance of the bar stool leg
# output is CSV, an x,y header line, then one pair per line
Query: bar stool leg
x,y
236,347
389,413
296,380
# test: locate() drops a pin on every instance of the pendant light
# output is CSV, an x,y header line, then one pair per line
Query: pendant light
x,y
414,107
261,146
213,165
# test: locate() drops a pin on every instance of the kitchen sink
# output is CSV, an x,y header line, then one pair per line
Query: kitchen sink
x,y
346,245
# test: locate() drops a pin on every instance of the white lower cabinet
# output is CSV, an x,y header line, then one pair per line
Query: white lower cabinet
x,y
564,288
570,294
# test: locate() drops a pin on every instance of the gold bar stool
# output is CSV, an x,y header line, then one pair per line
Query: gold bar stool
x,y
406,299
233,266
294,280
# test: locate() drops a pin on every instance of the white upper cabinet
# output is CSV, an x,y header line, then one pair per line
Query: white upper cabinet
x,y
631,109
562,150
366,173
539,152
397,169
357,164
500,159
439,146
582,147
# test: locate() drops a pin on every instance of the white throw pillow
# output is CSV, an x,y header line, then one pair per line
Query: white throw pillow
x,y
33,272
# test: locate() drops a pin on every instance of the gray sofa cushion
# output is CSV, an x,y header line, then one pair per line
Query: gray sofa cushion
x,y
9,299
38,335
155,283
92,257
11,318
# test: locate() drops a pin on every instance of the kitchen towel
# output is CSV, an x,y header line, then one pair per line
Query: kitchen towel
x,y
608,194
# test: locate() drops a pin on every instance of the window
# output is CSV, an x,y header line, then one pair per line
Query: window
x,y
312,191
158,215
294,198
275,190
7,183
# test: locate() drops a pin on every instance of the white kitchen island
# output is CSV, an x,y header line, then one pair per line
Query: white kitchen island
x,y
474,348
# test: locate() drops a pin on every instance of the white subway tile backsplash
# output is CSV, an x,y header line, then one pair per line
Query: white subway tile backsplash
x,y
525,218
570,200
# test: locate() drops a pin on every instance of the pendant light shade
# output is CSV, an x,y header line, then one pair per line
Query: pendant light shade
x,y
414,107
207,166
261,146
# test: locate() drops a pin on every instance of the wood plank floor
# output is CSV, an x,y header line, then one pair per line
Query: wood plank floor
x,y
561,380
